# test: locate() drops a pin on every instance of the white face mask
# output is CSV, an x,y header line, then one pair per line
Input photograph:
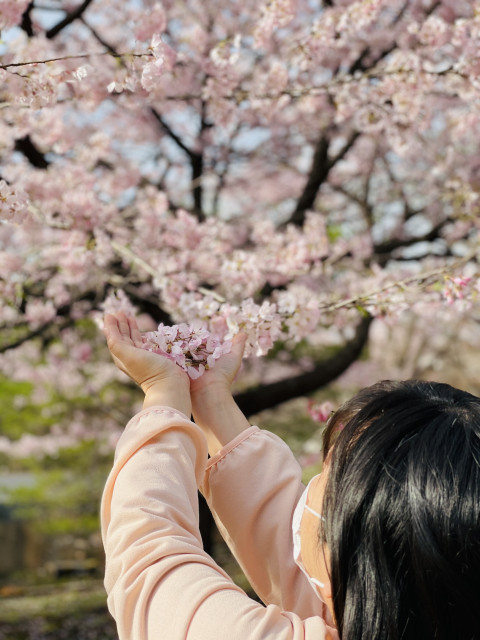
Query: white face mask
x,y
296,523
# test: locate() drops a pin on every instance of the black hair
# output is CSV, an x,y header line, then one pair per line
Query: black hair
x,y
402,509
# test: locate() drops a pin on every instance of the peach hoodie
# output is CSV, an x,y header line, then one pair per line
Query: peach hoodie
x,y
161,584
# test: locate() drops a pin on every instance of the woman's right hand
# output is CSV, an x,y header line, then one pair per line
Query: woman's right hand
x,y
213,407
221,376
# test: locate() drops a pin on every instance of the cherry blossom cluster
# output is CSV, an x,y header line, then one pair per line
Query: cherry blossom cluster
x,y
461,289
49,445
297,313
164,61
290,317
192,347
13,204
11,12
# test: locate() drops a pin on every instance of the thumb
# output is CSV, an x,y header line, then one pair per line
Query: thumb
x,y
238,344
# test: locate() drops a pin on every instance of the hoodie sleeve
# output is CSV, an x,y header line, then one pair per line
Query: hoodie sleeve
x,y
252,487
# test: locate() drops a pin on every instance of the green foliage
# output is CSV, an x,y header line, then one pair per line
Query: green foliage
x,y
302,349
292,423
19,415
65,498
317,353
334,232
68,484
54,601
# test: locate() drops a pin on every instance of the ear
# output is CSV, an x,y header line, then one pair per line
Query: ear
x,y
326,596
326,591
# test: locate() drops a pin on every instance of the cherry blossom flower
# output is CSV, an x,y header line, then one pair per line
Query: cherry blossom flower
x,y
165,58
320,412
13,204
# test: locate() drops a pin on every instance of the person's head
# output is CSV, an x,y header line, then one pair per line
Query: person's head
x,y
401,513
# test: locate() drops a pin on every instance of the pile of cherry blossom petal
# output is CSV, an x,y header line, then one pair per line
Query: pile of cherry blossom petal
x,y
191,346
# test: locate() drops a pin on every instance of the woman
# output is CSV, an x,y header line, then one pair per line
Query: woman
x,y
378,544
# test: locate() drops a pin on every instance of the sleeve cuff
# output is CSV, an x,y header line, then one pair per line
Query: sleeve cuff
x,y
224,451
159,409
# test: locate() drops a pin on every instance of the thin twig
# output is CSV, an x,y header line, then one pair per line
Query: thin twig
x,y
76,57
240,95
400,284
130,255
133,257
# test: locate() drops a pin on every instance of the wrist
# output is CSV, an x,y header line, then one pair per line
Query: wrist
x,y
169,393
211,393
219,416
209,401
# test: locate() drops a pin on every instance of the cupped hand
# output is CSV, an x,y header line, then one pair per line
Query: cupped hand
x,y
225,370
213,406
147,369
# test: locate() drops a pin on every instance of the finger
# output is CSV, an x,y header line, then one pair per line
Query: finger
x,y
111,329
115,340
238,344
123,326
135,332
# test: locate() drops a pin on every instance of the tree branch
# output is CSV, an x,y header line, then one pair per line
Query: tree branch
x,y
413,280
50,329
149,307
69,18
270,395
321,167
359,65
196,161
26,23
197,169
99,38
168,130
31,152
382,251
318,173
41,331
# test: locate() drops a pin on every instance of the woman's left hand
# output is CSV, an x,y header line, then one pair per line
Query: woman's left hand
x,y
162,381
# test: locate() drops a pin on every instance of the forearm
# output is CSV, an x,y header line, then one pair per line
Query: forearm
x,y
217,414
